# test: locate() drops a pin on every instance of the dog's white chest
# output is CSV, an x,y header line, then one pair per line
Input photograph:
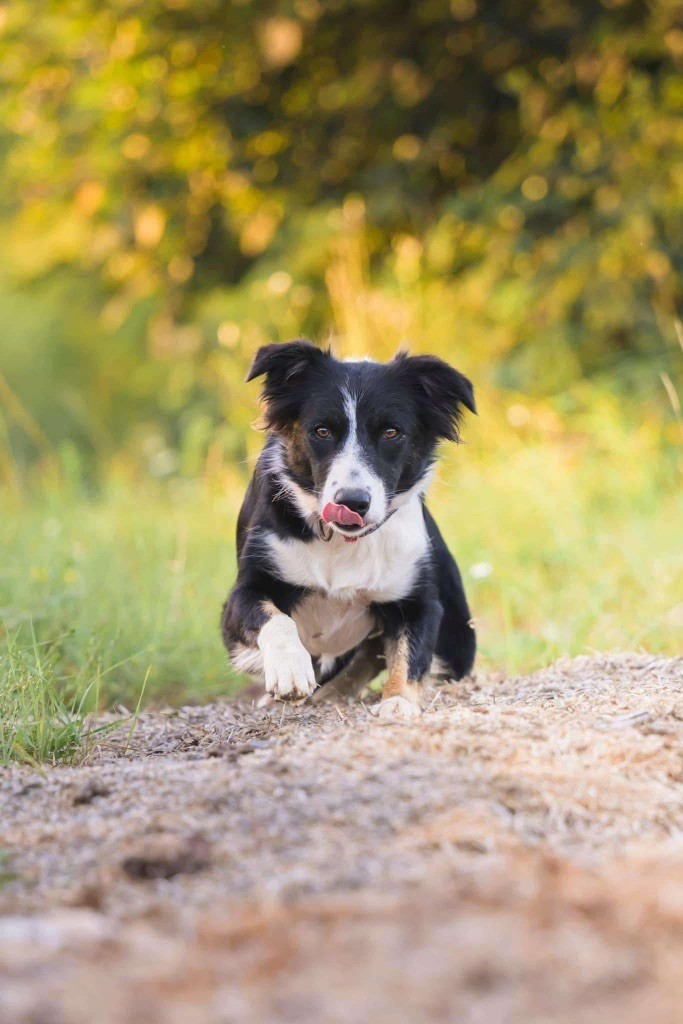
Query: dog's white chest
x,y
343,579
328,625
346,578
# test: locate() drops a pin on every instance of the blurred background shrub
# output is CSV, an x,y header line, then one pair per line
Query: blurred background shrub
x,y
496,181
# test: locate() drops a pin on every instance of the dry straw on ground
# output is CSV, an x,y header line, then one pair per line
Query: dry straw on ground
x,y
515,855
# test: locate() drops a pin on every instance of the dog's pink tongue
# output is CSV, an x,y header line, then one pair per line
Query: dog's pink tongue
x,y
342,515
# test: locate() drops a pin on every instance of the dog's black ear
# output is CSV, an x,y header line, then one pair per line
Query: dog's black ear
x,y
285,360
287,368
442,391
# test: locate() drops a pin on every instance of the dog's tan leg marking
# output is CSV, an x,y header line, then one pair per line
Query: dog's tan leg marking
x,y
400,695
287,665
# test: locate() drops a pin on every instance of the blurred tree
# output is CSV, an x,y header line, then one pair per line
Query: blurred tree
x,y
164,155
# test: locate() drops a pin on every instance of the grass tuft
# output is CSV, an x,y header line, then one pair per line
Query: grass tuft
x,y
39,724
6,872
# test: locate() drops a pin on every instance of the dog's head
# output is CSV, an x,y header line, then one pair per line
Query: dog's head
x,y
357,437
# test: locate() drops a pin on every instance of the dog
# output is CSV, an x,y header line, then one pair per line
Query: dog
x,y
335,542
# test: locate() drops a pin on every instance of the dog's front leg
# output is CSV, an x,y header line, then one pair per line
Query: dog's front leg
x,y
410,638
287,665
262,639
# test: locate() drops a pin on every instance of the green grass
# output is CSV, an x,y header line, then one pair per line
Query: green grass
x,y
566,546
6,873
39,722
567,555
133,580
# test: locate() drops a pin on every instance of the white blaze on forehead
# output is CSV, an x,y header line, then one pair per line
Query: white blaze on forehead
x,y
349,469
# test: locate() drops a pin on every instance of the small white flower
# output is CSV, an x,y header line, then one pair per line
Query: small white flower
x,y
481,570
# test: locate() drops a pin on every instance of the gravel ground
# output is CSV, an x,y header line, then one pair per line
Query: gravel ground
x,y
513,856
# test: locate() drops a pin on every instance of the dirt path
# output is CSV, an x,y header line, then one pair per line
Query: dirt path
x,y
515,855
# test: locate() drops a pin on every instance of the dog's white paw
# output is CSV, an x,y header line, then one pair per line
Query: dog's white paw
x,y
397,708
287,665
289,673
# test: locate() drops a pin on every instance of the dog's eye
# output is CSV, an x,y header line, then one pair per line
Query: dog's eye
x,y
390,433
323,432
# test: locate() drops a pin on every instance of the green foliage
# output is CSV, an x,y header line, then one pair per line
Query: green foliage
x,y
6,873
178,178
133,581
38,722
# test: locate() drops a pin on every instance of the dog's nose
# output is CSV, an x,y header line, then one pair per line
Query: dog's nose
x,y
354,498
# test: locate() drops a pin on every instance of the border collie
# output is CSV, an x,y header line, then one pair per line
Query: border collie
x,y
334,539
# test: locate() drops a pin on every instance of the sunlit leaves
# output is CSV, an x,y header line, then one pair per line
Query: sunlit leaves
x,y
514,170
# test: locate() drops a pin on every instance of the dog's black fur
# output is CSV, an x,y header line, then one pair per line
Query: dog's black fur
x,y
397,413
